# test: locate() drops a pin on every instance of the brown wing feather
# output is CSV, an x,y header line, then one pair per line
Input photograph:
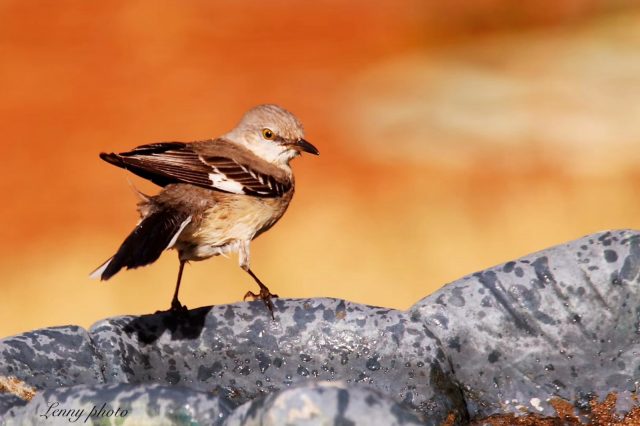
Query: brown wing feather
x,y
177,162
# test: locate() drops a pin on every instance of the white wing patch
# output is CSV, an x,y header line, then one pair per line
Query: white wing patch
x,y
220,181
230,176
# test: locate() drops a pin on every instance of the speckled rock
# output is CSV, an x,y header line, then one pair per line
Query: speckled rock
x,y
51,357
122,404
562,323
237,351
9,402
324,403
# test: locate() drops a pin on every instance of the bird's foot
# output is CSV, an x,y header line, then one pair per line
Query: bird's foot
x,y
265,295
176,306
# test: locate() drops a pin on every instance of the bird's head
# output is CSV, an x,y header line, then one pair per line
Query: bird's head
x,y
272,133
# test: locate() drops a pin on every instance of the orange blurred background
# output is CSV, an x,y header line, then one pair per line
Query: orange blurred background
x,y
453,136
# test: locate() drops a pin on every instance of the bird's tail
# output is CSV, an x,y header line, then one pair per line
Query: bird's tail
x,y
157,232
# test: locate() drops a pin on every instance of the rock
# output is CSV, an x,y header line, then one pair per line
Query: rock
x,y
561,323
239,352
559,328
137,404
323,403
9,402
51,357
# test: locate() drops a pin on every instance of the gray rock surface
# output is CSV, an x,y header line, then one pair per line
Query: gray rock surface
x,y
561,323
9,402
148,404
237,351
51,357
323,403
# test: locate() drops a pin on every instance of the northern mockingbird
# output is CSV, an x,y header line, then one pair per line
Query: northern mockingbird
x,y
217,194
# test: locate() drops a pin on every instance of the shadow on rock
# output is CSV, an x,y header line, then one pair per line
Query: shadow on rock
x,y
184,325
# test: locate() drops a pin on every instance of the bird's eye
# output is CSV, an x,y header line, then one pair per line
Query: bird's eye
x,y
268,134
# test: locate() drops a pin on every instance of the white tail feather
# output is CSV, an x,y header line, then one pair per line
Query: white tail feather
x,y
97,274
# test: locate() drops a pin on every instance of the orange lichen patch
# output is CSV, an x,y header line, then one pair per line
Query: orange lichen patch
x,y
603,411
452,419
510,419
16,387
565,410
602,414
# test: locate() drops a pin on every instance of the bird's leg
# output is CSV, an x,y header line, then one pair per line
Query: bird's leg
x,y
176,306
265,295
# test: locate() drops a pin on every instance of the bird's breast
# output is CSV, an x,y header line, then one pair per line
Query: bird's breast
x,y
231,219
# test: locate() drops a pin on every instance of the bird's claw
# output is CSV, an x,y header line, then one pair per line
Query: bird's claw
x,y
265,295
175,309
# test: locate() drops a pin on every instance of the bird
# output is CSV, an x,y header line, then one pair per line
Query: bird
x,y
216,195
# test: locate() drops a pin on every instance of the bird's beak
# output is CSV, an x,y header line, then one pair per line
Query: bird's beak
x,y
305,146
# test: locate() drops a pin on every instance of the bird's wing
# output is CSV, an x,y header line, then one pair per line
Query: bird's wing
x,y
179,162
